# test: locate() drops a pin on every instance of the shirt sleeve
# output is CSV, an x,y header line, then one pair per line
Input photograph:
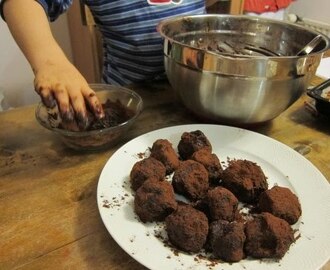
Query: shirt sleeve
x,y
53,8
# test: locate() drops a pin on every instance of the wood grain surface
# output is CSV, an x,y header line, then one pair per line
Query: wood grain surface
x,y
48,210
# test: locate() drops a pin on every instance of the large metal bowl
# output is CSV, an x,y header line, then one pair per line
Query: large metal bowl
x,y
238,69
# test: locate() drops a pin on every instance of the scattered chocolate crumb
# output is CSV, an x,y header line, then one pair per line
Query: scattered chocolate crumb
x,y
297,237
106,204
141,155
132,238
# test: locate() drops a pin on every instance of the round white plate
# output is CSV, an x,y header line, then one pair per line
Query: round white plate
x,y
281,164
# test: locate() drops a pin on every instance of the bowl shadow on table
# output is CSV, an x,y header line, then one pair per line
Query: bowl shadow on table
x,y
303,115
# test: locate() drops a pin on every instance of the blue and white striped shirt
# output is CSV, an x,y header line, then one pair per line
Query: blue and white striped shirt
x,y
133,50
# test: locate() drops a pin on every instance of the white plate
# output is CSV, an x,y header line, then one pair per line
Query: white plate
x,y
282,166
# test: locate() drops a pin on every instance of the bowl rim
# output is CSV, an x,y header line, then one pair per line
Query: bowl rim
x,y
164,22
104,87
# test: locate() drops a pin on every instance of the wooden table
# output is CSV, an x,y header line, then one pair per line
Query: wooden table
x,y
48,212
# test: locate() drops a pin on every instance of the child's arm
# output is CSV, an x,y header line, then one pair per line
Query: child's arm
x,y
56,79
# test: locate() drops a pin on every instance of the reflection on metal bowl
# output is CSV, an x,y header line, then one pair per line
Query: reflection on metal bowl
x,y
238,69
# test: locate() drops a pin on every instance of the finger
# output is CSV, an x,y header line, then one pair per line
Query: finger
x,y
93,102
63,102
78,104
46,96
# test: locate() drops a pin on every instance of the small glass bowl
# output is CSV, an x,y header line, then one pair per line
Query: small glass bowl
x,y
99,139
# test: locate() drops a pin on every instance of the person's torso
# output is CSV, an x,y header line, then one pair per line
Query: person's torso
x,y
136,20
132,46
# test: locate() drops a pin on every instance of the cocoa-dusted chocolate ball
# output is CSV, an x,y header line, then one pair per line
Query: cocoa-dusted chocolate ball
x,y
222,204
211,163
191,180
267,236
192,141
245,179
154,200
187,228
163,151
144,169
281,202
226,240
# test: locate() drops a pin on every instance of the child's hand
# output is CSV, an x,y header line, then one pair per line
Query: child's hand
x,y
62,84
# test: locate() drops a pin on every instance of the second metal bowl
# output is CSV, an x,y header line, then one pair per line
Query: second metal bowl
x,y
238,69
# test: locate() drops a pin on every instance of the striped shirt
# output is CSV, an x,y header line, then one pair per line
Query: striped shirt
x,y
133,49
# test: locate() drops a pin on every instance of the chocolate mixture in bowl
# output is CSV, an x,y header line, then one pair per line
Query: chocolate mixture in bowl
x,y
115,114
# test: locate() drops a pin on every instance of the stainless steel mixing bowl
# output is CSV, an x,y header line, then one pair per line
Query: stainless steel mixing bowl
x,y
238,69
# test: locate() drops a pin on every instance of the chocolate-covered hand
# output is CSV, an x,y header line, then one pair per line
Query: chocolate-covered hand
x,y
62,84
57,81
